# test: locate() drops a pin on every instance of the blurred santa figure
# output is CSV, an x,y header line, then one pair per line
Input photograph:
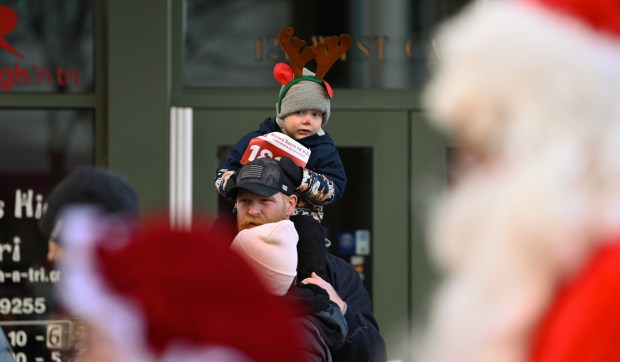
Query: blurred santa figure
x,y
528,240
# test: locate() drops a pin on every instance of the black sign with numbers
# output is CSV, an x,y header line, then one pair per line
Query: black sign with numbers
x,y
37,150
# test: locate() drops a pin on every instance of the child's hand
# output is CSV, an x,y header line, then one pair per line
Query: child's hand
x,y
230,183
294,172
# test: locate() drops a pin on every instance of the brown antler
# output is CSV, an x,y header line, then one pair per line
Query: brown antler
x,y
296,50
329,51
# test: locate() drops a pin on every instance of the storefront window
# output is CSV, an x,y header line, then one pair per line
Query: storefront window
x,y
38,148
235,43
46,46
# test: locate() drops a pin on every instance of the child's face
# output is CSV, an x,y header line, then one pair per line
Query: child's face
x,y
302,124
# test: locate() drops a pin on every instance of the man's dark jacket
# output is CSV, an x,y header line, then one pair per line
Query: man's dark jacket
x,y
363,342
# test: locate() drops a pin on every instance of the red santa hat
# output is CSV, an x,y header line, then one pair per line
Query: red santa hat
x,y
163,294
600,15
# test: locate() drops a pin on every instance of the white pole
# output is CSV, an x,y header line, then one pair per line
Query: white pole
x,y
181,134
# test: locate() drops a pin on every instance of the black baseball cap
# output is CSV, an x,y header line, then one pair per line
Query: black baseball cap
x,y
264,177
89,185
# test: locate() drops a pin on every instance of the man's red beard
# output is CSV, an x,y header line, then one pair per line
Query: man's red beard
x,y
250,221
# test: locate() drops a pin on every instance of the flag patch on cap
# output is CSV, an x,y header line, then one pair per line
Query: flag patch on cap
x,y
252,171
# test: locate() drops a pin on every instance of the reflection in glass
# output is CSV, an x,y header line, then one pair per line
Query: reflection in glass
x,y
45,142
235,43
54,47
354,212
37,149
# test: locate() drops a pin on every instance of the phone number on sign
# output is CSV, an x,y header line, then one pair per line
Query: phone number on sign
x,y
22,305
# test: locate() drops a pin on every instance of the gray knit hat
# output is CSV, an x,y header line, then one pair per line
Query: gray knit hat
x,y
308,93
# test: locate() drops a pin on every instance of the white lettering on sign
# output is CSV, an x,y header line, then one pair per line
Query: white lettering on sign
x,y
263,153
275,145
13,249
39,209
25,204
22,306
32,275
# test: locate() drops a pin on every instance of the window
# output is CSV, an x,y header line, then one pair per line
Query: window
x,y
235,43
50,48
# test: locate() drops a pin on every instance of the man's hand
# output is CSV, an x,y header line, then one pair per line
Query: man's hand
x,y
294,172
333,296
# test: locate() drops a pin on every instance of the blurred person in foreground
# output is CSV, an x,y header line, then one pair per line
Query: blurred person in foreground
x,y
87,185
156,293
528,240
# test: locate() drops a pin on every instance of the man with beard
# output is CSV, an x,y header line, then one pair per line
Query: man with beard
x,y
264,194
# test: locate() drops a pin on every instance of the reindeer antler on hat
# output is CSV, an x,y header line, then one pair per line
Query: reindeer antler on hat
x,y
325,54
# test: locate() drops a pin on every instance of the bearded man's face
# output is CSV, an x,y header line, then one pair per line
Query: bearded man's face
x,y
254,210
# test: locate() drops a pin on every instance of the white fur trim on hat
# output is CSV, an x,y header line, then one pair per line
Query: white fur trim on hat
x,y
271,249
85,294
468,95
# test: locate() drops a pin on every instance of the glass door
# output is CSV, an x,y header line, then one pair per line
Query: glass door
x,y
373,214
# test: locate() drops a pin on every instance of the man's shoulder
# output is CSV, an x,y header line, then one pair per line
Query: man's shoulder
x,y
335,259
